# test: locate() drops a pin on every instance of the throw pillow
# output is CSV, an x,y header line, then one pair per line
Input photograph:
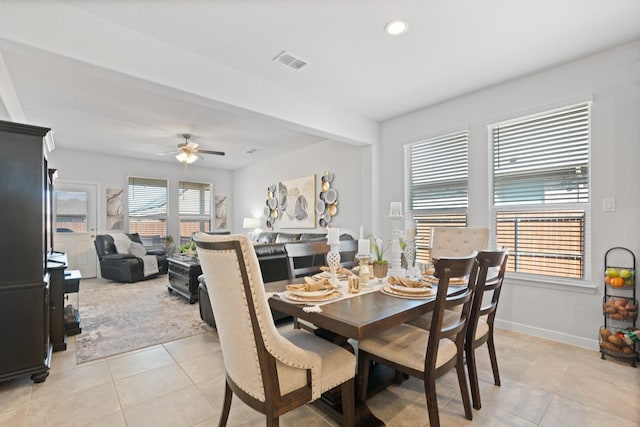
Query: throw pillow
x,y
136,249
121,242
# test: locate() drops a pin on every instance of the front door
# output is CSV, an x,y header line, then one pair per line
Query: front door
x,y
75,225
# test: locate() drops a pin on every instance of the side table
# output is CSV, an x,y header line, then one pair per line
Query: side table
x,y
183,276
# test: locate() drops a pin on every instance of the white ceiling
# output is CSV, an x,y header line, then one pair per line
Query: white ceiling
x,y
128,77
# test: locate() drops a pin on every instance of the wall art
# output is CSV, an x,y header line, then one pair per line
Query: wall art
x,y
296,202
115,209
221,212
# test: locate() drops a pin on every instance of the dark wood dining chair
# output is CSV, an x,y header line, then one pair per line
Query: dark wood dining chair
x,y
305,259
428,354
272,371
482,317
348,252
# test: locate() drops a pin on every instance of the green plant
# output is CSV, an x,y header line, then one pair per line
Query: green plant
x,y
378,249
188,247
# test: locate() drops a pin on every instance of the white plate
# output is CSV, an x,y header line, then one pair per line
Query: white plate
x,y
327,275
319,293
298,299
409,290
389,291
452,281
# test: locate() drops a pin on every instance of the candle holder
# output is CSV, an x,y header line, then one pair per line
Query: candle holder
x,y
396,251
364,269
333,262
410,256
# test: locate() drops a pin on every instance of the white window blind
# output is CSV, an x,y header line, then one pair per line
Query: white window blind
x,y
147,209
436,186
438,173
194,205
542,160
194,198
541,191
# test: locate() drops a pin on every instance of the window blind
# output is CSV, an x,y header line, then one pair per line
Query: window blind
x,y
194,198
438,173
436,186
147,197
543,159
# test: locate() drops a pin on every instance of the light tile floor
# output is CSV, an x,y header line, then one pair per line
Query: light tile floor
x,y
180,383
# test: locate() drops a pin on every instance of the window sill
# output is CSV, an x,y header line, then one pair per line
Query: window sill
x,y
554,283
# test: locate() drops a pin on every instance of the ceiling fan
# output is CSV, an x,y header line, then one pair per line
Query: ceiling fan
x,y
188,152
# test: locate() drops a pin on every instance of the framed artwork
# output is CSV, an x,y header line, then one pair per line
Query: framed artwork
x,y
296,202
221,212
115,209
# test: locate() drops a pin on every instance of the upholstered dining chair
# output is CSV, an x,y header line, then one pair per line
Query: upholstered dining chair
x,y
428,354
482,317
453,242
458,241
270,371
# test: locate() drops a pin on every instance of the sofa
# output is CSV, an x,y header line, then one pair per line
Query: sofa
x,y
272,257
124,267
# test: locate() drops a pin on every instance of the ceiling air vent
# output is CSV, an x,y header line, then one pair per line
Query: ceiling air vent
x,y
291,61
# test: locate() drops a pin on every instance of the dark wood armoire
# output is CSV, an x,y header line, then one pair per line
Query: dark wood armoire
x,y
25,241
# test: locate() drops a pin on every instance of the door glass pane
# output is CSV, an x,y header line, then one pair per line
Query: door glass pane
x,y
71,211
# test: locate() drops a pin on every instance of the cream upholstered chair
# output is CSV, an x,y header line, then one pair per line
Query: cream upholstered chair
x,y
458,241
428,354
483,313
453,242
272,372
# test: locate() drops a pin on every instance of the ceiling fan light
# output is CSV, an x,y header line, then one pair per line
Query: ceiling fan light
x,y
186,158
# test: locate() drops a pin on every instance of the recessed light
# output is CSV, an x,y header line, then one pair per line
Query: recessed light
x,y
396,27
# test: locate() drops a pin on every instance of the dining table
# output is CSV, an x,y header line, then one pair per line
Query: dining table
x,y
355,317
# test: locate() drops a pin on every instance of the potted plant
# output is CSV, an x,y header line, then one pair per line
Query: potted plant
x,y
380,265
189,249
169,245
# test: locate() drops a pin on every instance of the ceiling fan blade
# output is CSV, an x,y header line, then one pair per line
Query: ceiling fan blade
x,y
167,153
217,153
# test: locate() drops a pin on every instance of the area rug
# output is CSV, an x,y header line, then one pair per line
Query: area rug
x,y
120,317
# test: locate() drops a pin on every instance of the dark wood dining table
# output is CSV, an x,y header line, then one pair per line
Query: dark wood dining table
x,y
359,317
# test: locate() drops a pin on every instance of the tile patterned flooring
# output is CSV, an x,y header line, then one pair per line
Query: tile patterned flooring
x,y
180,383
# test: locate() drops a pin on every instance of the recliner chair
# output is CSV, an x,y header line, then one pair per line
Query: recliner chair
x,y
125,267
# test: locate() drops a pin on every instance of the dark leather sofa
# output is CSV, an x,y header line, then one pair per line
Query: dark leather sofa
x,y
272,257
125,267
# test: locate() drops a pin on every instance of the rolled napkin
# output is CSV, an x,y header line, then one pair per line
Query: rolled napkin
x,y
408,283
311,285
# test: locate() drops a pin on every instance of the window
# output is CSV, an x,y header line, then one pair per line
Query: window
x,y
541,191
148,209
194,204
71,212
436,179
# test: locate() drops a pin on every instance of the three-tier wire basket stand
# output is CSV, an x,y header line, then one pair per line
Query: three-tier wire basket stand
x,y
619,337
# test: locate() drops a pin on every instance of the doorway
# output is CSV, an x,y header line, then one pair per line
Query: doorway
x,y
75,207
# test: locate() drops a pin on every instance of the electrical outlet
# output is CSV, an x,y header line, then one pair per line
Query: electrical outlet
x,y
608,204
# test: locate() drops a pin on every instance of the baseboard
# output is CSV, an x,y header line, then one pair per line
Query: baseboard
x,y
590,344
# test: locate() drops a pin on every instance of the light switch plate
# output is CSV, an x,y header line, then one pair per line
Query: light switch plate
x,y
608,204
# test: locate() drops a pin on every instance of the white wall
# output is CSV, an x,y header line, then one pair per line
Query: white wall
x,y
112,172
345,161
612,80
